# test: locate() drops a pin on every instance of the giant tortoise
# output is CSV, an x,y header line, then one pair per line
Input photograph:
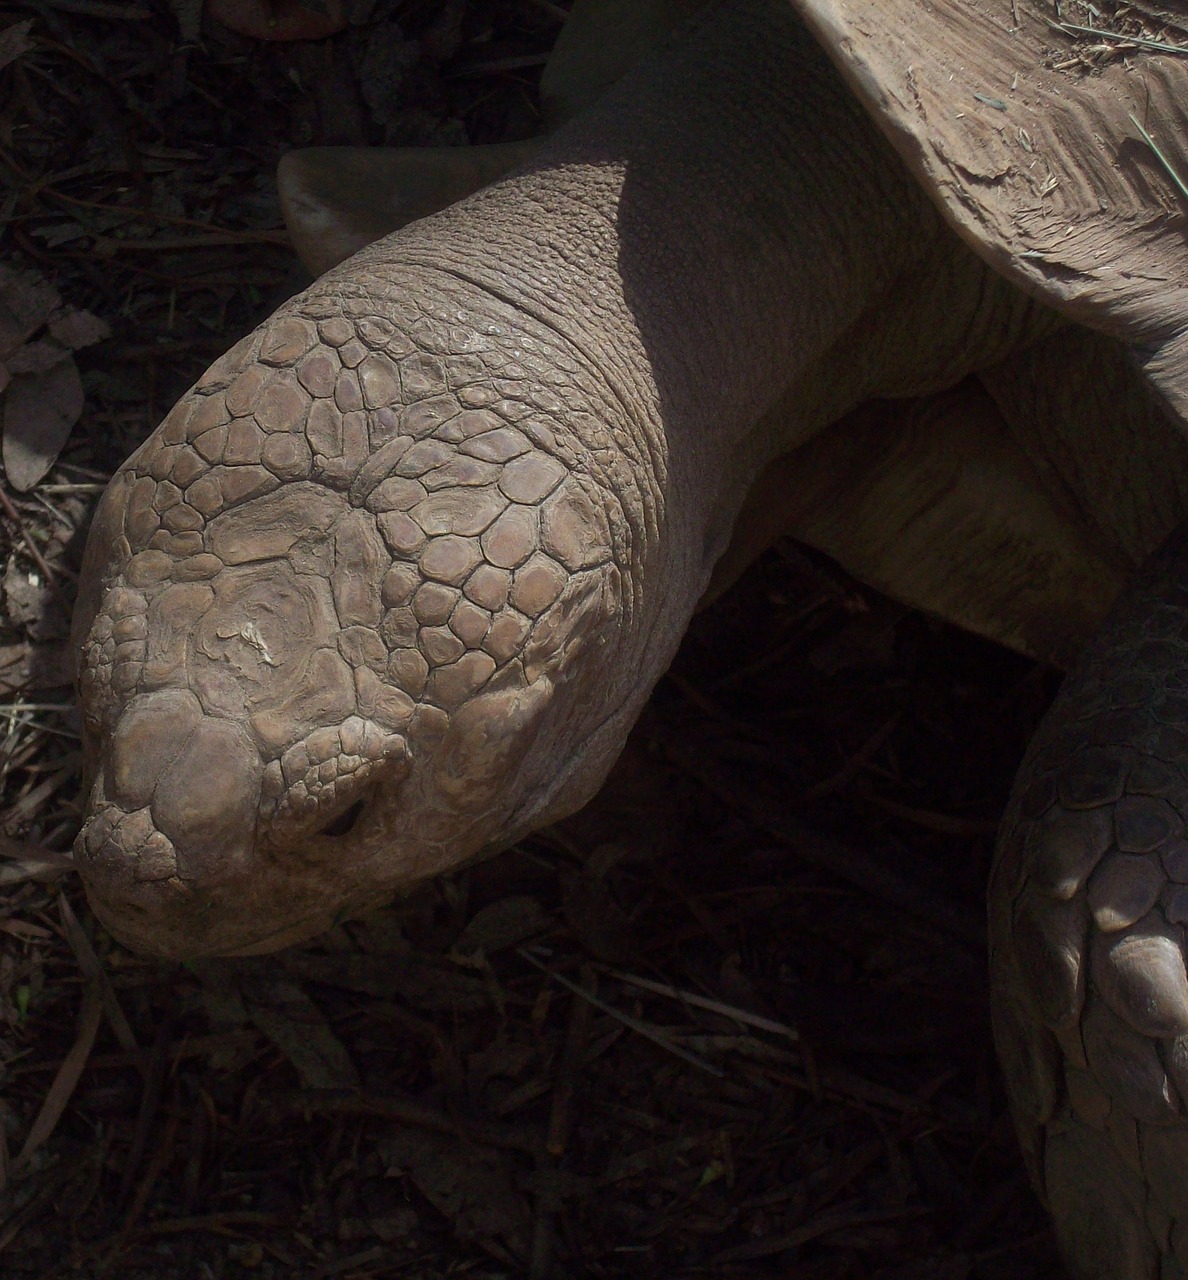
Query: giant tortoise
x,y
390,584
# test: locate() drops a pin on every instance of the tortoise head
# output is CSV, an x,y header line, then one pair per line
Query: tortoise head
x,y
325,649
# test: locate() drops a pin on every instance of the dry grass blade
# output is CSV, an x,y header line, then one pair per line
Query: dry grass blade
x,y
1169,168
89,1016
644,1029
21,862
1071,28
96,977
711,1006
34,551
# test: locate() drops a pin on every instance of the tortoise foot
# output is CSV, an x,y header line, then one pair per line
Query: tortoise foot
x,y
1088,905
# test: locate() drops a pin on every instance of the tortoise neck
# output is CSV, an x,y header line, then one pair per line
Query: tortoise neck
x,y
705,238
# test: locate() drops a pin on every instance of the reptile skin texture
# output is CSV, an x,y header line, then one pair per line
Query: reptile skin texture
x,y
339,538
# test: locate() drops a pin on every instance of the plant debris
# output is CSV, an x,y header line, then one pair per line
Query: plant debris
x,y
1105,30
41,394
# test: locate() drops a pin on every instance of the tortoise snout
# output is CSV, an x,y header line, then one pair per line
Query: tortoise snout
x,y
130,870
182,903
198,776
173,821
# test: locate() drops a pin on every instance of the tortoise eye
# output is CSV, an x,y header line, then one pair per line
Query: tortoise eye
x,y
345,823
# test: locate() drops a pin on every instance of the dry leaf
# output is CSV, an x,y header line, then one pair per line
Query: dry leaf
x,y
39,411
26,303
502,924
37,357
78,329
468,1184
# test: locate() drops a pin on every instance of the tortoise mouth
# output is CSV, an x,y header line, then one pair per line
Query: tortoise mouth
x,y
180,926
139,888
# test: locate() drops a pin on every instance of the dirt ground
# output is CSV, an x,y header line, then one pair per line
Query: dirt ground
x,y
730,1021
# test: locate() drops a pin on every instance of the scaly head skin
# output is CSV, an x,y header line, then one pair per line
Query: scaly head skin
x,y
333,601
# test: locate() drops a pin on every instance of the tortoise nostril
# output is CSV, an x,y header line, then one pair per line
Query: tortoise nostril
x,y
344,824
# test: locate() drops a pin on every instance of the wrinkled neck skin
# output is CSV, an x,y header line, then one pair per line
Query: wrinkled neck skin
x,y
734,258
390,585
709,247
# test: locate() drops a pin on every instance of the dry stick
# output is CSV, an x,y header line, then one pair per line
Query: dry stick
x,y
540,1258
38,187
708,705
30,708
518,63
704,917
823,1224
568,1069
947,824
554,9
837,1082
98,9
150,1104
358,1264
51,1184
854,765
223,1224
210,240
247,1042
160,1158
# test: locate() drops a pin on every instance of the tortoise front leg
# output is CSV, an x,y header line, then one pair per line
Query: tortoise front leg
x,y
1088,903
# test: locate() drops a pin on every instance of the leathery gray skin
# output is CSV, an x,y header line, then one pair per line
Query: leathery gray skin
x,y
388,587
